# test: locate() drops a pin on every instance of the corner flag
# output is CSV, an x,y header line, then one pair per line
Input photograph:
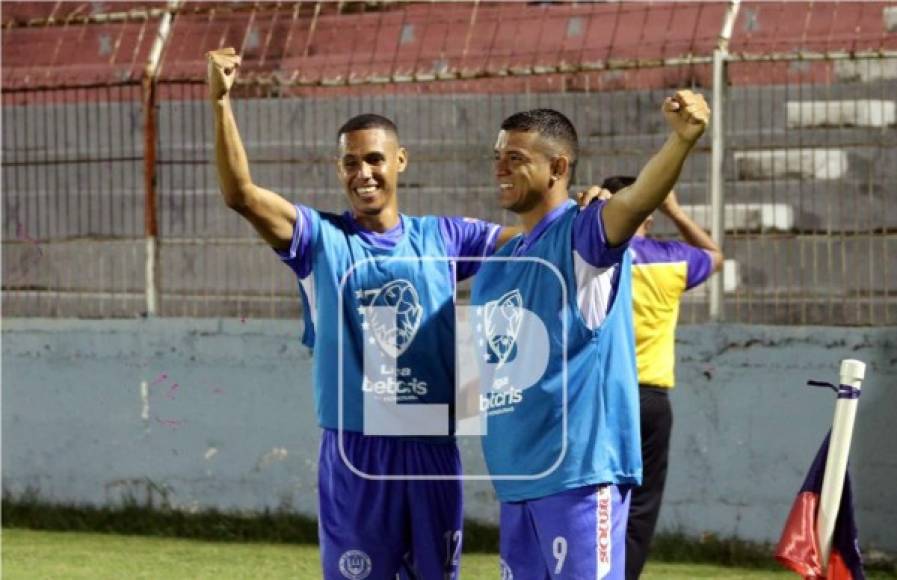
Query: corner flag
x,y
798,547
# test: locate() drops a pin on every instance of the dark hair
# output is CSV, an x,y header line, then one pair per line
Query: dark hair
x,y
617,182
368,121
547,123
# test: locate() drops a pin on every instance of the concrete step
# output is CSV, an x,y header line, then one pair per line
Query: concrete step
x,y
196,145
746,217
91,210
853,139
844,205
847,205
776,264
866,70
791,163
246,267
115,128
201,266
840,114
839,265
889,15
872,162
100,265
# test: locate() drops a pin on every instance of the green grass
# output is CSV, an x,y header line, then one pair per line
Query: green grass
x,y
280,543
31,554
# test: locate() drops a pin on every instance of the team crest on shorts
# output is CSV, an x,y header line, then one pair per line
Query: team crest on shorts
x,y
355,565
504,571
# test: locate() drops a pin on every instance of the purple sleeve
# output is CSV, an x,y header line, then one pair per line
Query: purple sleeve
x,y
589,240
468,238
700,264
299,256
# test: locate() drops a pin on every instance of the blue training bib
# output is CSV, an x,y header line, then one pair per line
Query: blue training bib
x,y
533,339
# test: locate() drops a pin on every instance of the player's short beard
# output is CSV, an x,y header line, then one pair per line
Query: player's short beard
x,y
527,203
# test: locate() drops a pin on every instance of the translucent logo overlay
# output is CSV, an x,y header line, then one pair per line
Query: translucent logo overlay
x,y
428,363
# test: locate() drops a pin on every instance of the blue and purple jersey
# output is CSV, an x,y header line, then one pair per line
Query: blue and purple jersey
x,y
557,354
387,295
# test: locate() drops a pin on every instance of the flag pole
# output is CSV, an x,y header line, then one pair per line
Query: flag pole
x,y
852,374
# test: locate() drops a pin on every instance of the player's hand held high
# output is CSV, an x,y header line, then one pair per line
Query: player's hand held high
x,y
687,113
222,70
272,216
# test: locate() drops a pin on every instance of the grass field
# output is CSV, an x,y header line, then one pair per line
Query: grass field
x,y
35,554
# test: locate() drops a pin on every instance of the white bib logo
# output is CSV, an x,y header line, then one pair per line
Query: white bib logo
x,y
501,319
393,314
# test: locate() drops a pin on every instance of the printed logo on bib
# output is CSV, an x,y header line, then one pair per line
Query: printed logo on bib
x,y
395,395
392,314
514,349
355,565
502,322
391,317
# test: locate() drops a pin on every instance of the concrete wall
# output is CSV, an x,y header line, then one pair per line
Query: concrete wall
x,y
238,430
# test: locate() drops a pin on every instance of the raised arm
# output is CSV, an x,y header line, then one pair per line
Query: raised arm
x,y
688,115
691,232
272,216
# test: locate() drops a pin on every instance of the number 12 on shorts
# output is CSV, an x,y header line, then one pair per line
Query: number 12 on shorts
x,y
452,548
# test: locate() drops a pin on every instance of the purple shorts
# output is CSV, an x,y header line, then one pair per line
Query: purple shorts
x,y
375,529
575,534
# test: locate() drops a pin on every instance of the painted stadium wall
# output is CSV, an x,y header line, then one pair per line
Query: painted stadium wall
x,y
219,413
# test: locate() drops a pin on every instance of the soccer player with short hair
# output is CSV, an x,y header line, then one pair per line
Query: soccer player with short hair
x,y
370,287
562,439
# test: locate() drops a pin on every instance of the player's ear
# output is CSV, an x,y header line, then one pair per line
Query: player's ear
x,y
338,158
560,165
402,158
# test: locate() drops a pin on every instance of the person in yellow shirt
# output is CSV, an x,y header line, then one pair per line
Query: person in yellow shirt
x,y
662,270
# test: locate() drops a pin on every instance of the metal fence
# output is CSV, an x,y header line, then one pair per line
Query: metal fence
x,y
73,201
809,193
810,152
